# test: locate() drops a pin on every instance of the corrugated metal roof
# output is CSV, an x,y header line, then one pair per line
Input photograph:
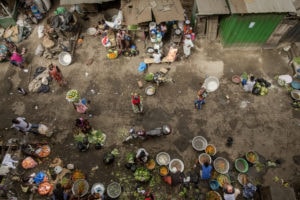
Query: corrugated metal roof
x,y
167,10
211,7
261,6
297,6
71,2
138,11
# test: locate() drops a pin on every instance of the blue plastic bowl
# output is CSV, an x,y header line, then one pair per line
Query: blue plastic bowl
x,y
214,184
142,67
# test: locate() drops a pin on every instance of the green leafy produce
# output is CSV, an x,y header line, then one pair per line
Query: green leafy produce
x,y
130,158
115,152
97,137
73,96
149,77
142,174
79,137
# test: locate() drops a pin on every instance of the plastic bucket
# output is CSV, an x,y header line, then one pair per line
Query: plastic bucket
x,y
152,25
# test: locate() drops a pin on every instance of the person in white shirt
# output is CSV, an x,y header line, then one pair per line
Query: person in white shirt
x,y
187,45
156,56
230,193
23,126
248,87
142,155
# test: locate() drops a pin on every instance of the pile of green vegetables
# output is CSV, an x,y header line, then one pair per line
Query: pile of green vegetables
x,y
142,174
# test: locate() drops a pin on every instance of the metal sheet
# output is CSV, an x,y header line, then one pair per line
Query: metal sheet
x,y
248,30
71,2
261,6
138,11
211,7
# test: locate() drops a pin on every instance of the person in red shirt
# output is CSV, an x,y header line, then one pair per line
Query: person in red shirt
x,y
136,103
56,74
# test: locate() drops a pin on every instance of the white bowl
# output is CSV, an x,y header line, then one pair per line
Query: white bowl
x,y
204,155
65,58
163,158
226,163
176,165
91,31
199,143
211,84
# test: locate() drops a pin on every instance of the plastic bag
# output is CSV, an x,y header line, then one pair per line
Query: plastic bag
x,y
39,50
40,31
28,163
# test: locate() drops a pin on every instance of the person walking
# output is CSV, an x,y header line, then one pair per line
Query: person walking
x,y
187,45
201,95
23,126
56,74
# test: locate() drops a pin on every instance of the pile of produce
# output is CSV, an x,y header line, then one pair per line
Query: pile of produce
x,y
73,96
261,87
112,54
142,174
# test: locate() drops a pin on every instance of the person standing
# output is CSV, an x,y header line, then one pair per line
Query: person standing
x,y
187,45
23,126
201,95
56,74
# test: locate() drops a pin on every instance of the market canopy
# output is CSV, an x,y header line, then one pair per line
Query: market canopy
x,y
138,11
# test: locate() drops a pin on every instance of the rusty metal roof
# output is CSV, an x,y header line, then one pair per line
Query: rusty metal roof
x,y
138,11
261,6
211,7
71,2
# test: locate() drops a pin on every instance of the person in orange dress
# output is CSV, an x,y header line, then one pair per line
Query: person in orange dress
x,y
56,74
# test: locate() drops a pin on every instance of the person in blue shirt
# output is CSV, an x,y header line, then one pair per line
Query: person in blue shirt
x,y
205,172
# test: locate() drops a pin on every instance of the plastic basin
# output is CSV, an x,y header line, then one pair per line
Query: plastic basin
x,y
199,143
241,165
65,58
221,165
214,184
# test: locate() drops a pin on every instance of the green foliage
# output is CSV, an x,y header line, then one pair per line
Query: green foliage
x,y
97,137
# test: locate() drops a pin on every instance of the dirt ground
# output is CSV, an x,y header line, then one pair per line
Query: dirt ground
x,y
265,124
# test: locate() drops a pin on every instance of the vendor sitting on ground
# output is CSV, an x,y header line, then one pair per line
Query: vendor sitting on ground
x,y
17,59
248,87
142,155
83,125
156,56
205,172
230,193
